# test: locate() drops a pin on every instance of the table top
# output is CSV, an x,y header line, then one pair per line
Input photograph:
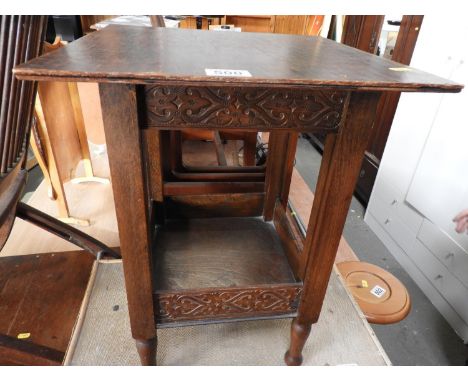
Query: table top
x,y
142,55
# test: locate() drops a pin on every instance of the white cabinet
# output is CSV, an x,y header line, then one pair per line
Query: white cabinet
x,y
449,253
437,261
442,279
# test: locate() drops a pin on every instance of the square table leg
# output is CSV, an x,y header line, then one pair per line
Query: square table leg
x,y
124,145
339,171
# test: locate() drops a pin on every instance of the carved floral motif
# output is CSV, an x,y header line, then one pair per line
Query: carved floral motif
x,y
235,107
227,303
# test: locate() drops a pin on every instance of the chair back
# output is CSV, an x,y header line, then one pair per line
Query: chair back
x,y
20,40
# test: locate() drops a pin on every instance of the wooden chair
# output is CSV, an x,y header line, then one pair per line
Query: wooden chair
x,y
20,40
59,140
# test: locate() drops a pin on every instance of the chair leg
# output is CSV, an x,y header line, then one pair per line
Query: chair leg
x,y
66,232
299,335
147,351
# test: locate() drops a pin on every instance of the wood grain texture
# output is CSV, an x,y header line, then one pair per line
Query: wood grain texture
x,y
291,238
98,344
215,205
213,253
20,40
11,189
227,303
64,231
130,195
15,352
280,163
48,160
152,154
338,174
224,256
342,335
60,129
40,295
302,198
362,32
206,188
92,112
147,351
242,108
270,58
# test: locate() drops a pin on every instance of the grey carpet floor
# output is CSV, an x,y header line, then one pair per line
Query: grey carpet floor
x,y
341,336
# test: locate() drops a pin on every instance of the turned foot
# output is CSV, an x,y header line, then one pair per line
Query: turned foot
x,y
299,335
291,360
147,351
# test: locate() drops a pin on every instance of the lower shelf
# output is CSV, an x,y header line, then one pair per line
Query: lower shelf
x,y
220,269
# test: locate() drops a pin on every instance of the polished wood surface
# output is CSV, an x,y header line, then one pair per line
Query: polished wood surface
x,y
145,194
210,253
65,231
159,54
11,189
362,32
215,205
337,178
128,184
40,297
241,108
20,40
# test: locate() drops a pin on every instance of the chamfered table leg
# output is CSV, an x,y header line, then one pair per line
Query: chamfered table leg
x,y
341,162
123,138
280,164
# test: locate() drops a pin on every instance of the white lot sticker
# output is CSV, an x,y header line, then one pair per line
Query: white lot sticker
x,y
378,291
228,72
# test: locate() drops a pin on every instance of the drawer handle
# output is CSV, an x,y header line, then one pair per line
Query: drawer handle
x,y
449,255
438,277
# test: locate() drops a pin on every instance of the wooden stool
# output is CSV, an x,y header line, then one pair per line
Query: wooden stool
x,y
381,296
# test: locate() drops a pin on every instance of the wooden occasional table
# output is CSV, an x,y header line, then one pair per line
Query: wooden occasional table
x,y
181,269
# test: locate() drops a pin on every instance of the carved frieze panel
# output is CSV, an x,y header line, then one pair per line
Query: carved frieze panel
x,y
243,107
226,303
